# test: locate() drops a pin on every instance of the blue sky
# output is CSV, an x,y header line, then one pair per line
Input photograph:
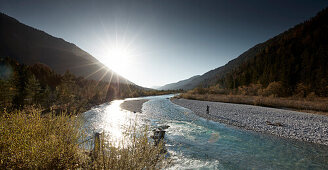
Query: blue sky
x,y
155,42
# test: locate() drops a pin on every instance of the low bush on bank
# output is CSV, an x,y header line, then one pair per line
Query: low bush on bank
x,y
31,141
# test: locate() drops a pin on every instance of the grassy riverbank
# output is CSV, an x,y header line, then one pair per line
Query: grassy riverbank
x,y
31,141
315,105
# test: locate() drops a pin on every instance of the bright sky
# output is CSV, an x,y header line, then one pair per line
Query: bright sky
x,y
153,43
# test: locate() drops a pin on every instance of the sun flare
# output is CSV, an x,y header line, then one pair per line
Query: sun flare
x,y
119,58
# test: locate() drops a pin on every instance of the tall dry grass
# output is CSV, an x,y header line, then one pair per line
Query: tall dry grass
x,y
32,141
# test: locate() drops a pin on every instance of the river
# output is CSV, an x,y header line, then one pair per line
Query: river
x,y
196,143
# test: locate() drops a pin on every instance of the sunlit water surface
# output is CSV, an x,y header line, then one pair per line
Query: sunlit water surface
x,y
196,143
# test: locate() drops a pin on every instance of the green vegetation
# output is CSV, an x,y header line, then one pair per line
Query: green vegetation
x,y
297,59
37,132
31,141
38,85
287,71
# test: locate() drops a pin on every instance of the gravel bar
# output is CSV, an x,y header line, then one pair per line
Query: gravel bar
x,y
133,105
284,123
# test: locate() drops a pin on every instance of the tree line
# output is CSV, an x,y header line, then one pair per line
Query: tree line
x,y
39,86
296,59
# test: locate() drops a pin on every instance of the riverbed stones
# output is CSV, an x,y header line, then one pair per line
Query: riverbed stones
x,y
283,123
133,105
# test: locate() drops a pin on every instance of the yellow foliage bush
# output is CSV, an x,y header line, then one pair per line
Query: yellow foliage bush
x,y
30,140
274,89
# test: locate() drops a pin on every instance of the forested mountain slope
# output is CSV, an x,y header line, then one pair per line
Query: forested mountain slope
x,y
298,58
211,77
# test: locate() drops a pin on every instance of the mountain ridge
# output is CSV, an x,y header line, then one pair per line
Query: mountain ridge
x,y
293,35
29,46
177,85
211,76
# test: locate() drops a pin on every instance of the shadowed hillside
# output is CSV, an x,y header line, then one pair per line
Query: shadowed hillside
x,y
211,77
297,58
29,46
37,69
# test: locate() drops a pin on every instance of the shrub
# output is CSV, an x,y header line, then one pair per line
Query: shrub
x,y
30,141
302,90
311,96
200,90
217,90
274,89
251,90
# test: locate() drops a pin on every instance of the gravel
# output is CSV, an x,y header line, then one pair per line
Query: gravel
x,y
133,105
284,123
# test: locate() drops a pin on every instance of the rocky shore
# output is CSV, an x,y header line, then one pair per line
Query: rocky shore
x,y
284,123
133,105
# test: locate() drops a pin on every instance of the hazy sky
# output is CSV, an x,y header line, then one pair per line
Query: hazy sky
x,y
155,42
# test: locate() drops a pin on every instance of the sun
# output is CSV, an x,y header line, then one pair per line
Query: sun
x,y
119,58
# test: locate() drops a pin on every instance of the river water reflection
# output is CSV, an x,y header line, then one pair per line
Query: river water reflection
x,y
196,143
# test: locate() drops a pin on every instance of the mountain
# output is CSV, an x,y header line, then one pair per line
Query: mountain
x,y
178,85
211,77
155,87
296,56
30,46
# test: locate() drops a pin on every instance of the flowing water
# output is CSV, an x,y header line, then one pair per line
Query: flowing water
x,y
196,143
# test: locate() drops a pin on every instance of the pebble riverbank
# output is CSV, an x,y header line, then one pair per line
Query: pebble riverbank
x,y
284,123
133,105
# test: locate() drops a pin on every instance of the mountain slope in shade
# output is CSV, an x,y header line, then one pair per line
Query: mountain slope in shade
x,y
211,77
298,55
297,58
29,46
